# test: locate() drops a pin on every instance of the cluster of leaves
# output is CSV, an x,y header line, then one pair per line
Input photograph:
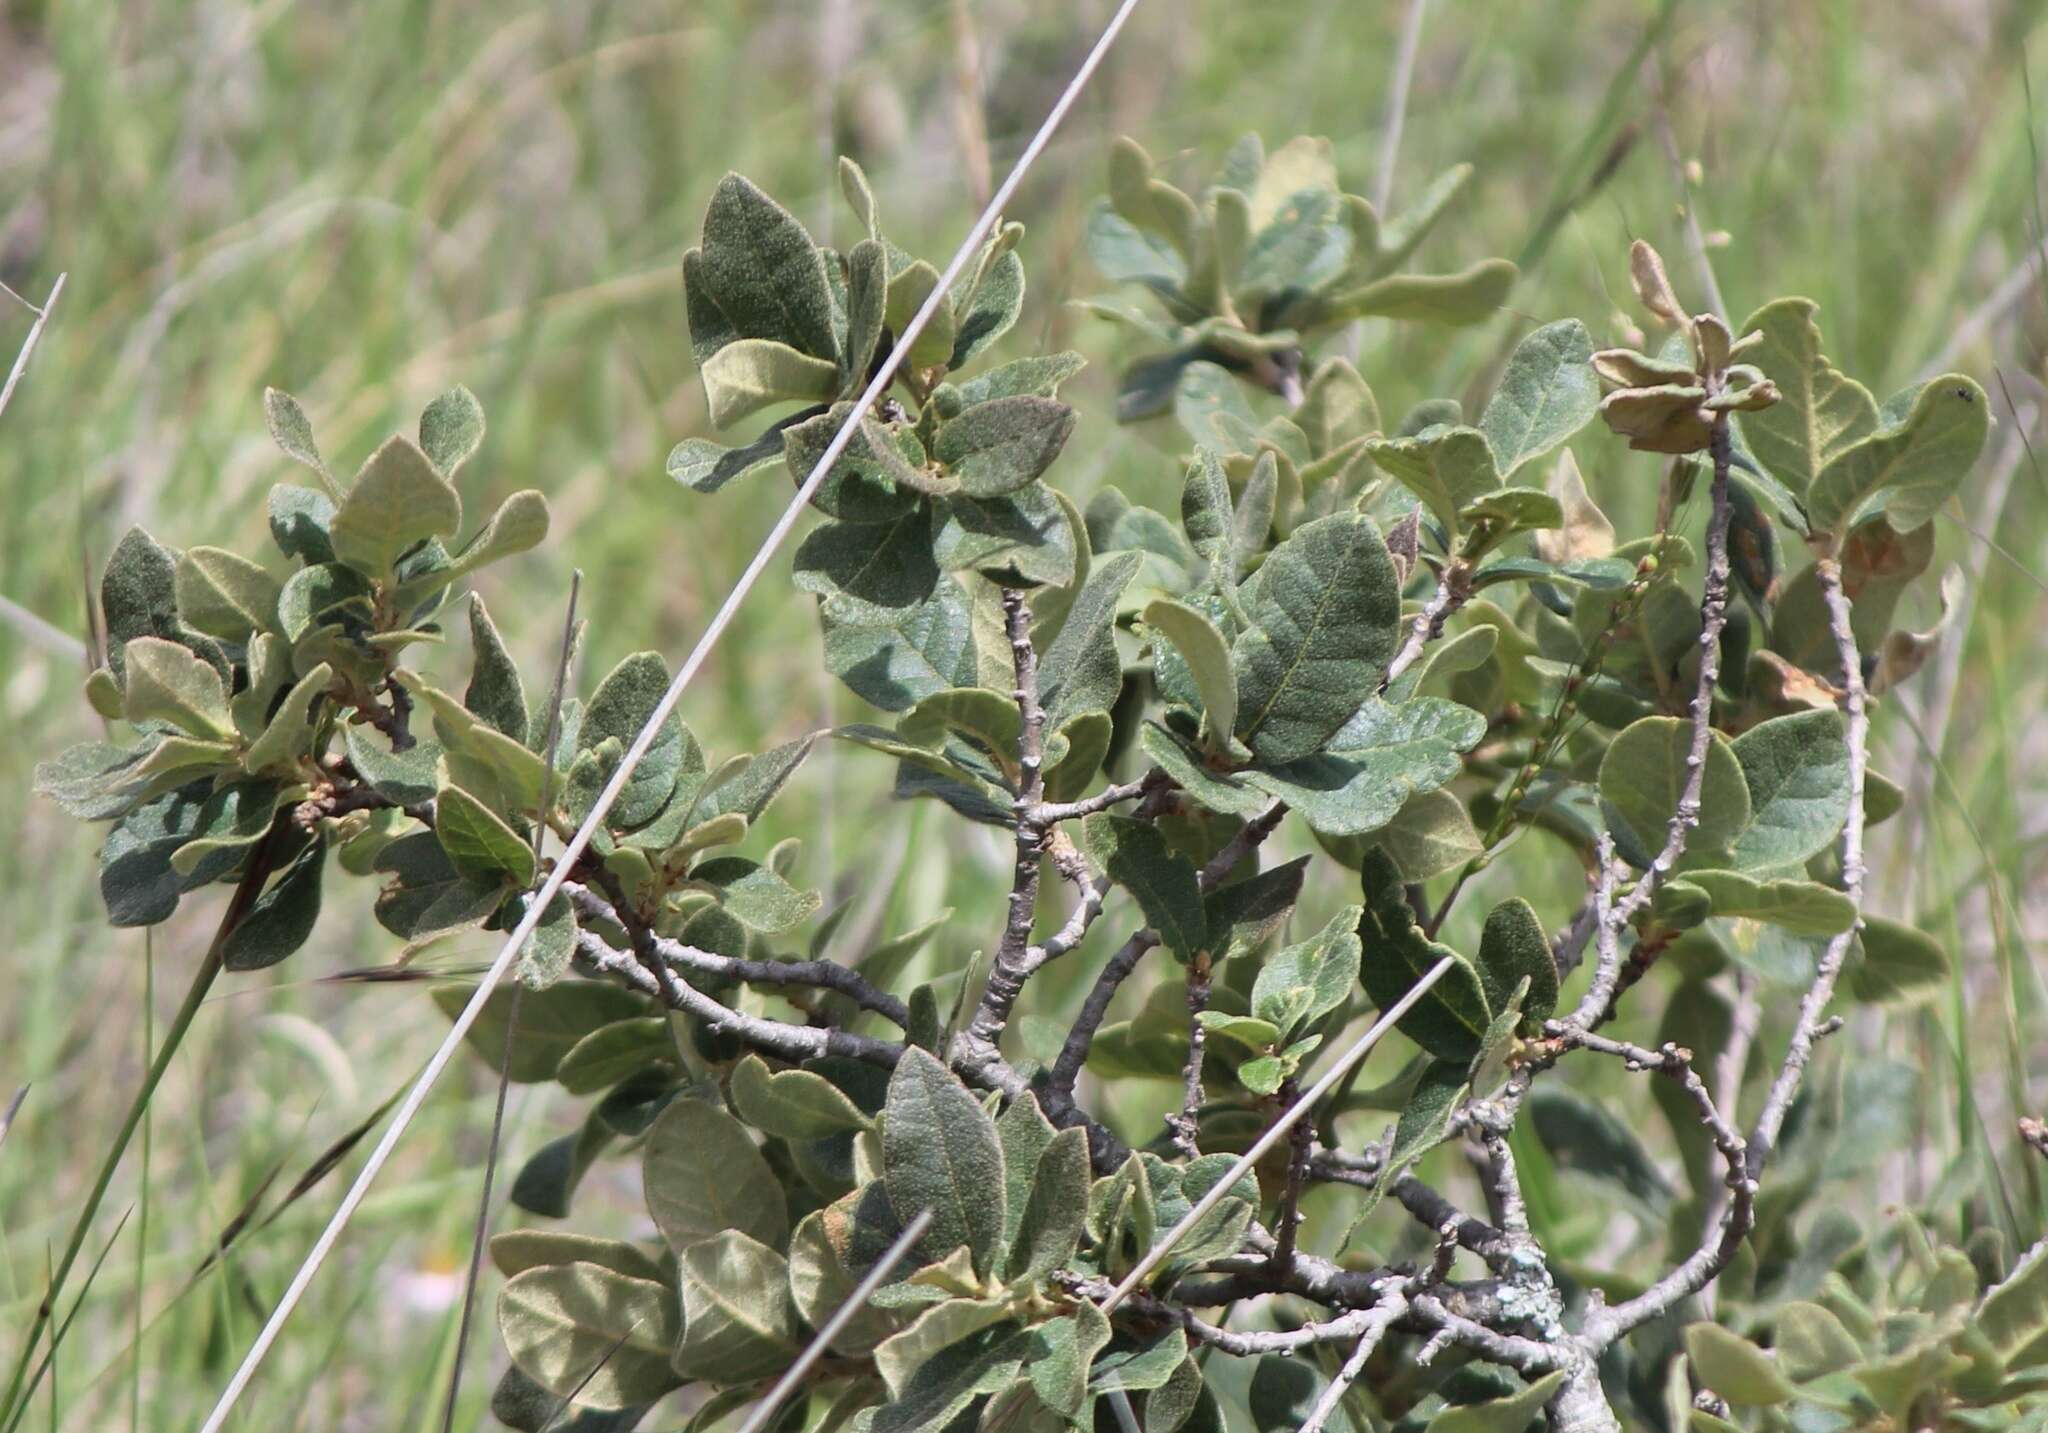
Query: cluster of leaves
x,y
1417,639
1271,255
238,684
764,1241
1903,1332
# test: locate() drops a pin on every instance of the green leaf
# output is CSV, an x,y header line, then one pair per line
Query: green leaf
x,y
519,525
1447,468
1040,376
1548,393
1285,1391
1468,296
299,522
452,429
1062,1354
869,572
94,780
1643,775
1081,671
165,681
615,1052
867,297
706,466
1381,757
1424,1124
430,895
585,1331
758,275
495,693
1512,1414
1820,412
1451,1019
739,1321
987,718
893,658
997,300
1812,1342
552,1022
1055,1211
544,957
1321,614
703,1175
138,593
820,1282
1432,833
291,429
1019,538
1912,465
1207,655
1735,1368
755,894
478,840
1002,445
951,1380
1797,770
618,709
750,374
1134,855
792,1104
1899,965
937,1329
1242,916
940,1152
909,287
517,1250
288,737
283,916
1299,985
2014,1314
223,595
396,502
1802,907
1513,948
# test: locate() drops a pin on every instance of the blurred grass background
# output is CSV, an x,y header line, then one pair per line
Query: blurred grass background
x,y
367,202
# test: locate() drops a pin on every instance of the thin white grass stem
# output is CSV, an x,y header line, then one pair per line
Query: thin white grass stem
x,y
28,344
884,376
1397,105
1308,1101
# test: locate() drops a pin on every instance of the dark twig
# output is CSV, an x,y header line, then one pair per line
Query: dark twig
x,y
1186,1125
1009,970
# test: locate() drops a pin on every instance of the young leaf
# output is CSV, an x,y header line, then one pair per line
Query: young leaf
x,y
703,1175
1448,468
1321,627
1298,986
223,595
288,735
299,522
1548,393
397,502
1207,655
452,429
750,374
940,1152
1134,855
478,840
292,430
166,682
